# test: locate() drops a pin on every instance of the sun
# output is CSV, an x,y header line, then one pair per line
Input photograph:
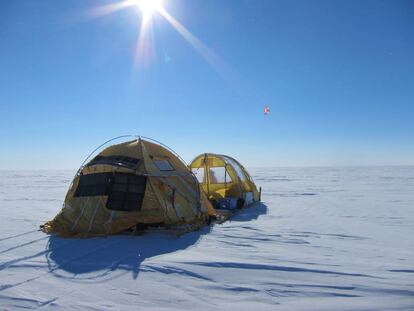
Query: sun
x,y
149,7
145,50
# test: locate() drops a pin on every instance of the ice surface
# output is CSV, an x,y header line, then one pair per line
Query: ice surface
x,y
323,239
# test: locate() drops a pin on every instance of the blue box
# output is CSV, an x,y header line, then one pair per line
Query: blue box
x,y
228,203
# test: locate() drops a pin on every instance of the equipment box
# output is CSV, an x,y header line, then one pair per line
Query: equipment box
x,y
227,203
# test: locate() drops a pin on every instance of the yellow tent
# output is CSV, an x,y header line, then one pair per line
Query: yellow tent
x,y
225,181
134,184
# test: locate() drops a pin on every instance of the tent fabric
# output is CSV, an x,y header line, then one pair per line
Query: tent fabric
x,y
223,177
128,184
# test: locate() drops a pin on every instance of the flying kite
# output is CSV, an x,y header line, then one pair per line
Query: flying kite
x,y
266,110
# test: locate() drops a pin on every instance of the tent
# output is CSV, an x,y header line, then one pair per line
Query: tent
x,y
134,184
225,181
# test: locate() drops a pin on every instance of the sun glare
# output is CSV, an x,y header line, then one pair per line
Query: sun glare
x,y
148,7
145,51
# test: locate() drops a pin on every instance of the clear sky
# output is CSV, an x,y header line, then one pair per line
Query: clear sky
x,y
338,77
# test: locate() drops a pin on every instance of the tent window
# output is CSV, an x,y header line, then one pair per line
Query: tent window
x,y
163,164
219,175
199,173
93,185
127,192
237,168
115,160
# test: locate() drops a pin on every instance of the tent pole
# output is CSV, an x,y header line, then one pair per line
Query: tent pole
x,y
207,173
225,179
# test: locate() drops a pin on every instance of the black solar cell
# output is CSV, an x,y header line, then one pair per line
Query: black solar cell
x,y
125,191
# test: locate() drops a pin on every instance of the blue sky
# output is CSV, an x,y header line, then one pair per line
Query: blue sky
x,y
338,77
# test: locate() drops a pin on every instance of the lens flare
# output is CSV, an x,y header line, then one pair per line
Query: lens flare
x,y
145,47
148,7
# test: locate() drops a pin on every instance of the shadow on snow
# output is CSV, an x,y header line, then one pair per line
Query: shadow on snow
x,y
251,213
98,258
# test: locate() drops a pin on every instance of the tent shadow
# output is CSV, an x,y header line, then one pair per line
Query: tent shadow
x,y
102,259
98,259
251,213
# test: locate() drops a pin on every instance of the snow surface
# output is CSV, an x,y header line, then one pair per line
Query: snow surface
x,y
323,239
